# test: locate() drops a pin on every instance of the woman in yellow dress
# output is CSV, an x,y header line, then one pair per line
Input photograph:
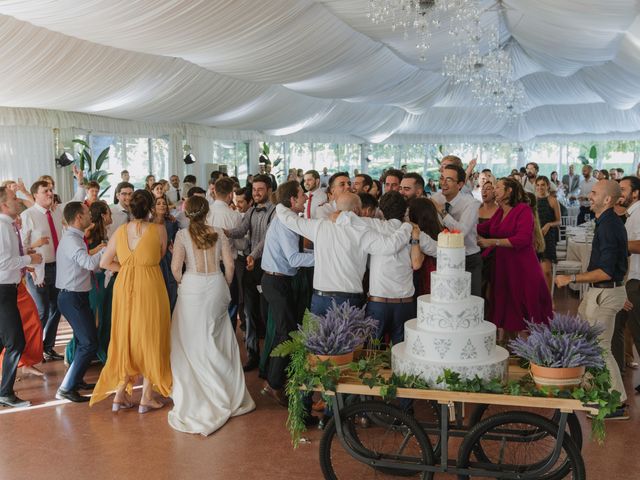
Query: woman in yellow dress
x,y
140,319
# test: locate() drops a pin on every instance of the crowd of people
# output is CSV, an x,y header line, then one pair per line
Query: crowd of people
x,y
157,284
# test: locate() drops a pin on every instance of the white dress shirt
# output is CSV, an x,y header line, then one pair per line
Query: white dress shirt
x,y
341,248
462,216
222,215
74,264
174,195
35,225
11,263
315,198
585,189
633,233
119,216
326,209
390,276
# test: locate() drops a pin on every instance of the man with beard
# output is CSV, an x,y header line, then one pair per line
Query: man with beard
x,y
315,195
412,186
256,221
531,176
605,275
339,183
362,183
630,199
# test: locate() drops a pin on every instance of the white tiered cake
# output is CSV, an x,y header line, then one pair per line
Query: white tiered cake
x,y
450,331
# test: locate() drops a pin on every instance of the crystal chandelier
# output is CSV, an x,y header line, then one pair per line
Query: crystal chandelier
x,y
489,75
423,16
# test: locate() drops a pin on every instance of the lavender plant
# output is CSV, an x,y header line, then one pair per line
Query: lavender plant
x,y
568,341
341,330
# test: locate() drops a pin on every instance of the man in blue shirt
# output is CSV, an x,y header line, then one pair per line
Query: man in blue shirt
x,y
605,275
73,279
281,259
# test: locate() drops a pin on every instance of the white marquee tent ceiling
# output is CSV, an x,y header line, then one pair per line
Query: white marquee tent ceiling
x,y
316,67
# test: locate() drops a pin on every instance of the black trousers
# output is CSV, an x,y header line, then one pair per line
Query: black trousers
x,y
255,309
278,292
473,265
11,336
46,298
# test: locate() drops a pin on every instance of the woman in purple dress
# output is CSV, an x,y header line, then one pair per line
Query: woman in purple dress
x,y
519,290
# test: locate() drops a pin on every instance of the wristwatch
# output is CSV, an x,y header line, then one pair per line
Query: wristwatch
x,y
414,241
573,278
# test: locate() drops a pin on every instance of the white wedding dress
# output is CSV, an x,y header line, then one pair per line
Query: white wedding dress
x,y
208,380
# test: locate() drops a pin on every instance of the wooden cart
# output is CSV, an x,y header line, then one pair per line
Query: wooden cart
x,y
369,438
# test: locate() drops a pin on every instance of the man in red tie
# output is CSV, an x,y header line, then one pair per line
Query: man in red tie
x,y
42,227
315,195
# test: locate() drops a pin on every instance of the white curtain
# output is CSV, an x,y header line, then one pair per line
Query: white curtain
x,y
27,153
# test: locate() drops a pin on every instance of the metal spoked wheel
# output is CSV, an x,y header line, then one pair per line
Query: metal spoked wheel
x,y
574,429
522,444
388,445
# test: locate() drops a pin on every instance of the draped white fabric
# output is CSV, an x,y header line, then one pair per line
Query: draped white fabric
x,y
25,152
315,68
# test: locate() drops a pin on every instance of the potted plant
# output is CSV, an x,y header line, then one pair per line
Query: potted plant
x,y
93,172
559,353
337,334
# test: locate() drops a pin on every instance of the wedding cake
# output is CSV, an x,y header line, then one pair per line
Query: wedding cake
x,y
450,331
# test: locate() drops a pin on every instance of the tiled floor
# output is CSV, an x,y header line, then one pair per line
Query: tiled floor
x,y
55,439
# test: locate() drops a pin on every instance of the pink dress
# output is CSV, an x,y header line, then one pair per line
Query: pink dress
x,y
518,287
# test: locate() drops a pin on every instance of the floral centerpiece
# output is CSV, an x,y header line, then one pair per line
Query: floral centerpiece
x,y
318,350
560,352
336,335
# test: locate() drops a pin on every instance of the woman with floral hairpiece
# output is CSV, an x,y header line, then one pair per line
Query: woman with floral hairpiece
x,y
208,380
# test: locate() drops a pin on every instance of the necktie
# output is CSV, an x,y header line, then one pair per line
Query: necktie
x,y
309,205
447,207
54,232
260,209
20,248
126,212
177,195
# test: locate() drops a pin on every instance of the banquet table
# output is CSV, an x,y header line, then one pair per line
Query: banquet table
x,y
579,240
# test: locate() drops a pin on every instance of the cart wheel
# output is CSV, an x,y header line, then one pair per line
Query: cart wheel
x,y
520,443
573,426
390,435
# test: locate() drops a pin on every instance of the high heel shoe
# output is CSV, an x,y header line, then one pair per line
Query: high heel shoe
x,y
142,408
116,406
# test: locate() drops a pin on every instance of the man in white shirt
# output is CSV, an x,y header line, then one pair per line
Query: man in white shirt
x,y
41,221
341,250
11,265
586,185
630,316
316,196
211,190
174,194
73,279
120,211
362,183
391,289
412,186
458,211
339,183
222,216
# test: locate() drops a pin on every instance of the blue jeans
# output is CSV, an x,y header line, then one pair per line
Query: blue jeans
x,y
75,308
320,304
391,317
46,298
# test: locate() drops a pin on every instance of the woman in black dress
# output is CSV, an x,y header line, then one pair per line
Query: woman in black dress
x,y
549,215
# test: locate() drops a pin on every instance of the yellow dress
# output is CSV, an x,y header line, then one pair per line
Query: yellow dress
x,y
140,318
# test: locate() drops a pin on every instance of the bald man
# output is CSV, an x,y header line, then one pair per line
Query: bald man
x,y
341,250
605,275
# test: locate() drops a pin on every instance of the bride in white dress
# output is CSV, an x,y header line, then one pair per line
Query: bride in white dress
x,y
208,381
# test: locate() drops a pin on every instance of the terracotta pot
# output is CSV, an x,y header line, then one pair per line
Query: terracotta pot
x,y
561,378
337,360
